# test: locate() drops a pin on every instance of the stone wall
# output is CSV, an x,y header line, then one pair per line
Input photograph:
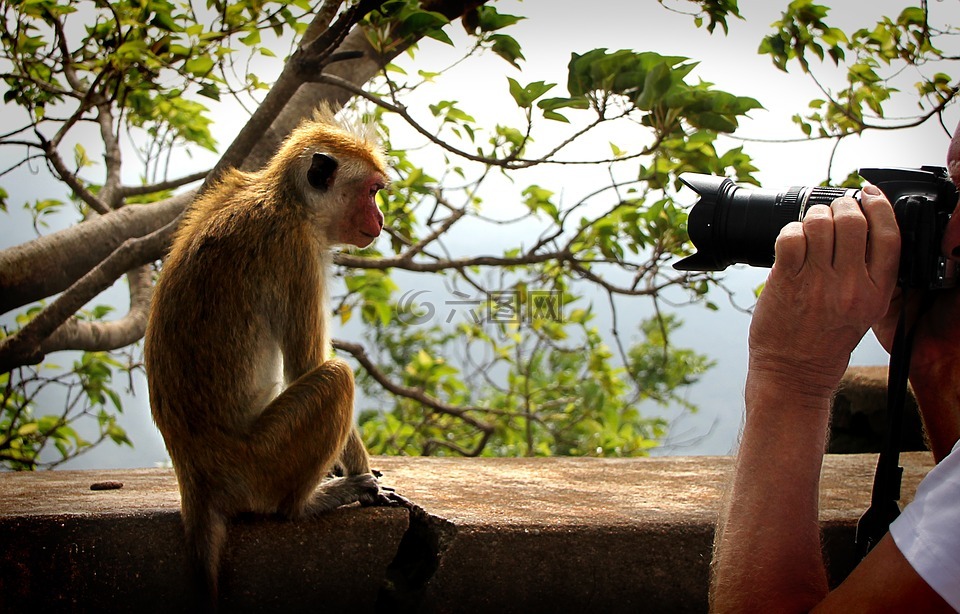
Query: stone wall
x,y
503,535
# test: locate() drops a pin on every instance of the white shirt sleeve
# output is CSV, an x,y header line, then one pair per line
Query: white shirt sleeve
x,y
928,531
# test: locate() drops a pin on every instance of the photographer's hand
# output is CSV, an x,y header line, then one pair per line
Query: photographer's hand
x,y
827,286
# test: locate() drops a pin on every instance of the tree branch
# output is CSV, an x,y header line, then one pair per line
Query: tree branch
x,y
88,257
25,346
511,162
626,291
356,72
322,21
401,262
439,443
419,246
50,264
76,334
161,186
110,194
69,178
417,394
307,60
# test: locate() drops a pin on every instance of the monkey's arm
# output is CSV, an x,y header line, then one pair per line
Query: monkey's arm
x,y
304,348
302,322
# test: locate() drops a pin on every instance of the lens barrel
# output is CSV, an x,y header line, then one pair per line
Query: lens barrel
x,y
733,224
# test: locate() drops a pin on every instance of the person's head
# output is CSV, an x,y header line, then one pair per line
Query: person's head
x,y
951,236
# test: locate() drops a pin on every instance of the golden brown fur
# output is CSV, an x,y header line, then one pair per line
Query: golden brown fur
x,y
253,410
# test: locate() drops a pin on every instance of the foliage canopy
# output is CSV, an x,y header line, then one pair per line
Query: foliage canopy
x,y
524,368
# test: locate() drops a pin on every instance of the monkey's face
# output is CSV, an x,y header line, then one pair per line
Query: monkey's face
x,y
364,221
348,195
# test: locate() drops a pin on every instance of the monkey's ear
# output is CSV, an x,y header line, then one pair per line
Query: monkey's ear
x,y
321,171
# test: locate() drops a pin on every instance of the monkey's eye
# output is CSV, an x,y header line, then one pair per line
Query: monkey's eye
x,y
376,188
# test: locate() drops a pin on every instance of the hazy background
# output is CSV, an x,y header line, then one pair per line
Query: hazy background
x,y
551,32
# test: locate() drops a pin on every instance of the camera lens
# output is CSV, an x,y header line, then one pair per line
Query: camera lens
x,y
733,224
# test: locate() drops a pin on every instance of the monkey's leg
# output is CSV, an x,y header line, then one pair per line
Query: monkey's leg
x,y
354,458
299,436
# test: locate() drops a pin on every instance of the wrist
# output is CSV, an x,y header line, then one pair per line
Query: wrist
x,y
787,403
786,422
798,384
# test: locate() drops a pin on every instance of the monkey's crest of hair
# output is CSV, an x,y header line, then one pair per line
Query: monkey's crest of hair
x,y
366,132
324,129
356,143
357,151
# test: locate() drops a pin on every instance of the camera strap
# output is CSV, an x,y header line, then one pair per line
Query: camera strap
x,y
884,507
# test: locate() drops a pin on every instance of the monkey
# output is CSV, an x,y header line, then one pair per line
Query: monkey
x,y
253,410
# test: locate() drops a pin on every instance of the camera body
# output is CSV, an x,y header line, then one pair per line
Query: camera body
x,y
733,224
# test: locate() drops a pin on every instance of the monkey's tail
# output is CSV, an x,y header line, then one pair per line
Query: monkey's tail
x,y
206,533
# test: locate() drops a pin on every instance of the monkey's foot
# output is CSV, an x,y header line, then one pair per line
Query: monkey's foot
x,y
343,491
386,497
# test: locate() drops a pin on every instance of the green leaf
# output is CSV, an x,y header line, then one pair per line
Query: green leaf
x,y
48,424
551,105
655,85
526,95
912,16
115,399
251,39
209,90
28,429
118,435
440,35
539,199
489,20
80,157
163,20
199,66
100,311
507,48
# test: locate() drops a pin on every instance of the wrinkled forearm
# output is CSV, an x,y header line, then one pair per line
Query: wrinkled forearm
x,y
768,553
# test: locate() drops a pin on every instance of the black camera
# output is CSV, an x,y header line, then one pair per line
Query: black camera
x,y
734,224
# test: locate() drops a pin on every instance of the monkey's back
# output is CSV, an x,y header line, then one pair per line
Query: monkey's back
x,y
212,344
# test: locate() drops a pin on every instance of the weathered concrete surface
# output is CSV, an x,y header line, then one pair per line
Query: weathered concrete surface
x,y
68,548
505,535
598,535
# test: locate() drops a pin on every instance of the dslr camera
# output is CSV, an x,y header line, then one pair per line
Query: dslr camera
x,y
735,224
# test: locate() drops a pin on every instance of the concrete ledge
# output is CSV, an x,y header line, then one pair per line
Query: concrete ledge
x,y
505,535
68,548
